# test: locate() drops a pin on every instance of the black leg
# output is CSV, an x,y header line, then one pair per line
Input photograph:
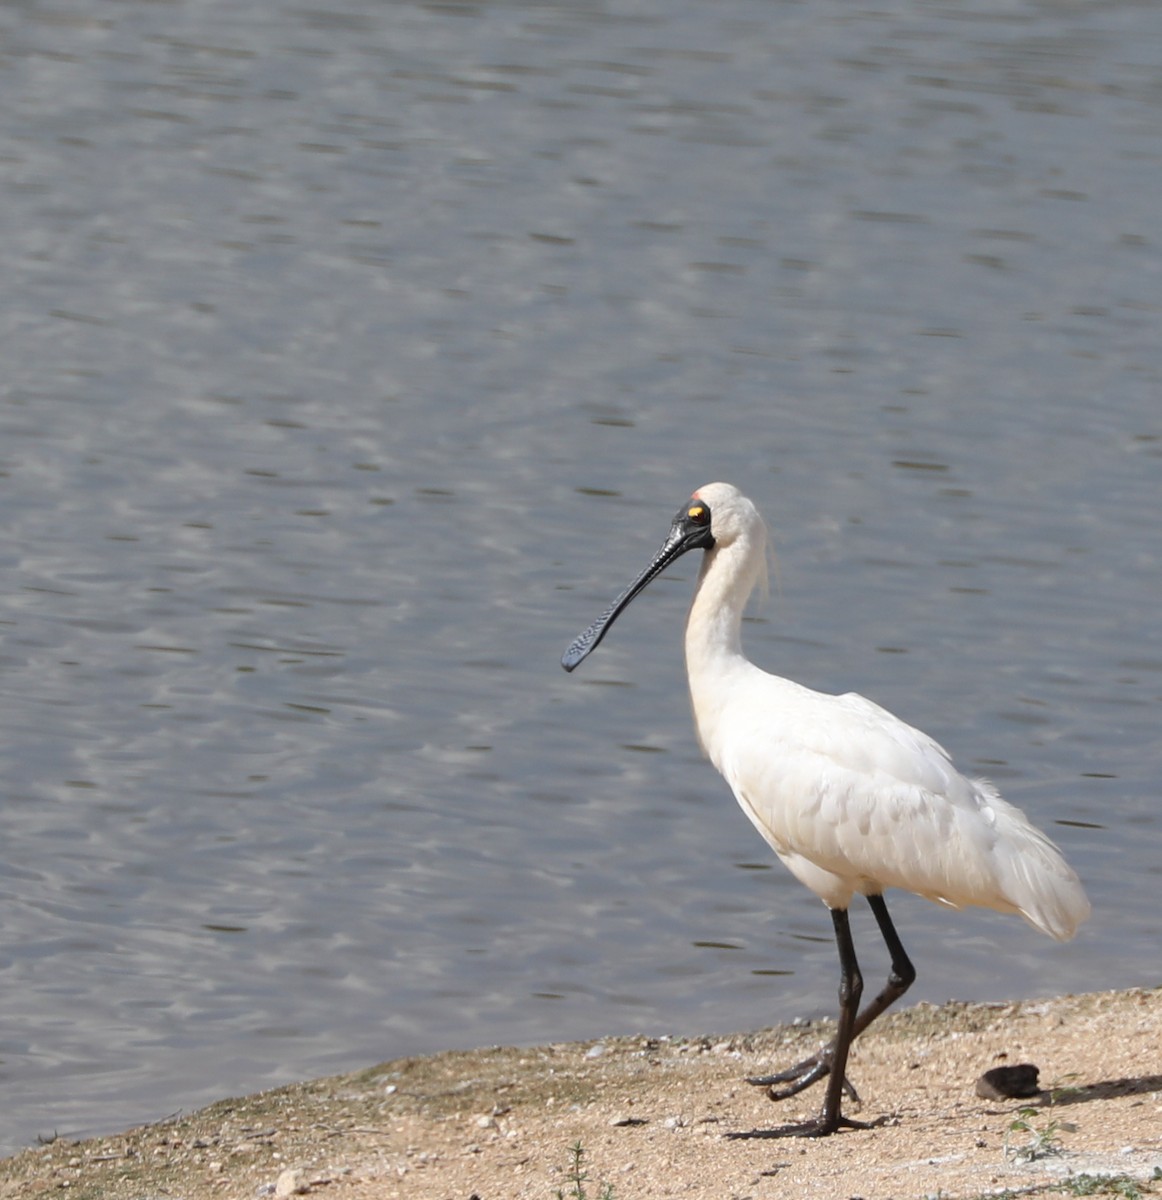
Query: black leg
x,y
850,989
902,974
811,1070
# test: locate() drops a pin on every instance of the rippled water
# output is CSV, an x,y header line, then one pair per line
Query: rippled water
x,y
355,358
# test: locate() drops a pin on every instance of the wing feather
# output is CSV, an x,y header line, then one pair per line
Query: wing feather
x,y
870,802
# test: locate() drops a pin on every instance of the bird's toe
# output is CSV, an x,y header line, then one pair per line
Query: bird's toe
x,y
800,1077
821,1126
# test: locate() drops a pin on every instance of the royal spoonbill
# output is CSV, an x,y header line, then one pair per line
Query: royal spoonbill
x,y
850,798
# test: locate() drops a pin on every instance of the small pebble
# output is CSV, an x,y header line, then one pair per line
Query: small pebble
x,y
289,1183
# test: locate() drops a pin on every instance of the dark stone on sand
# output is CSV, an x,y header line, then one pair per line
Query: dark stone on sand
x,y
1008,1083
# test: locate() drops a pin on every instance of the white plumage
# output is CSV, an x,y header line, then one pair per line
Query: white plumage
x,y
851,798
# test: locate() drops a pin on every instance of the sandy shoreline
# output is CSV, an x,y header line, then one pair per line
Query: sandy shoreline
x,y
650,1115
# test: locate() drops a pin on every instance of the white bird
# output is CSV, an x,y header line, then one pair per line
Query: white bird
x,y
850,798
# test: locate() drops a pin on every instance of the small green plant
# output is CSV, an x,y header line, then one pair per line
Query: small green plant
x,y
577,1175
1124,1186
1040,1142
1104,1185
1111,1185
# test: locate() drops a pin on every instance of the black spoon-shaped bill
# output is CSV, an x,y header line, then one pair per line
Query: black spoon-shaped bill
x,y
690,531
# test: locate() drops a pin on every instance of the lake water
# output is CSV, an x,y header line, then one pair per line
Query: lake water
x,y
355,357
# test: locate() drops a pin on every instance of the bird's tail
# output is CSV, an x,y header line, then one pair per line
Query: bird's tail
x,y
1034,877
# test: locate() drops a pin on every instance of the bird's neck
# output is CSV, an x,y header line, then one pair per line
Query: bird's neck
x,y
714,661
714,658
714,626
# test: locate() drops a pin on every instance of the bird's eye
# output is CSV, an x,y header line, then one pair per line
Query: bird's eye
x,y
698,513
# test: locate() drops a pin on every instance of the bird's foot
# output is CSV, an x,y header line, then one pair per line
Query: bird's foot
x,y
800,1077
821,1126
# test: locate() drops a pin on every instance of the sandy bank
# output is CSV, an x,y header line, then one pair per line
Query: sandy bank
x,y
498,1123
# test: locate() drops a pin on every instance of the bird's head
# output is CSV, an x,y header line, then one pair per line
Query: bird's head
x,y
716,516
731,515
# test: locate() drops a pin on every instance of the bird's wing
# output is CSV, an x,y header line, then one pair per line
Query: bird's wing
x,y
854,799
869,738
839,733
841,782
